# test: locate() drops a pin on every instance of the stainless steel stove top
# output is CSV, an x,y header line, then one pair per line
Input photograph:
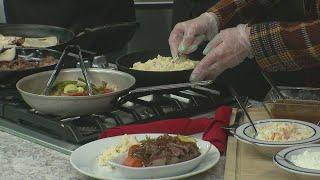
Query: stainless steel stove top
x,y
66,134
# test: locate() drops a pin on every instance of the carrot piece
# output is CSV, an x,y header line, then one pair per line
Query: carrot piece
x,y
132,162
106,91
132,149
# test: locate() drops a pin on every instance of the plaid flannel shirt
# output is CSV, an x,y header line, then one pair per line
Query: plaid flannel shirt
x,y
276,45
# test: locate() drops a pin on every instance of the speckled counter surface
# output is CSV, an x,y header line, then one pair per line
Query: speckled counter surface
x,y
21,159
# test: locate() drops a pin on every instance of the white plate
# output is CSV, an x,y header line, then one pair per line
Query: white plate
x,y
288,152
85,159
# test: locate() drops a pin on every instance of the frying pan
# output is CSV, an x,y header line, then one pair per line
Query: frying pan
x,y
31,88
15,75
86,38
35,30
152,78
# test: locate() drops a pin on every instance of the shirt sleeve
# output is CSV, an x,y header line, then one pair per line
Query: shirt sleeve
x,y
286,46
234,12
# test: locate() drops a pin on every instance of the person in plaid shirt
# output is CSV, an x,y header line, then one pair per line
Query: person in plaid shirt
x,y
281,35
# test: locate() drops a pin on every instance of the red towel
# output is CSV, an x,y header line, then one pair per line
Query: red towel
x,y
211,128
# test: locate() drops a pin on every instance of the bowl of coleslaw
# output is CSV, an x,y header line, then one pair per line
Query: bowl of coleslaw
x,y
274,135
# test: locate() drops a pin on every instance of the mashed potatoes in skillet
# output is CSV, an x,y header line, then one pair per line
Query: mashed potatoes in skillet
x,y
161,63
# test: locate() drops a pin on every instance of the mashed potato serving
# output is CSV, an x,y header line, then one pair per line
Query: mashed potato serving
x,y
117,149
161,63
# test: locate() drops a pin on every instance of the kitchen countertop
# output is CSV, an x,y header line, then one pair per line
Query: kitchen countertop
x,y
21,159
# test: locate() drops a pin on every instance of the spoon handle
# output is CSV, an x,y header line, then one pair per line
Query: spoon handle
x,y
236,97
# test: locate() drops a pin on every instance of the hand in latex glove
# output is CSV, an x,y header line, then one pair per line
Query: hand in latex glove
x,y
226,50
186,36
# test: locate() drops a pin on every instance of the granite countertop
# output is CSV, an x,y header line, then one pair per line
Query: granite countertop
x,y
21,159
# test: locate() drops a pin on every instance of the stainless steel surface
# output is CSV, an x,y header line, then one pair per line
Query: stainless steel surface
x,y
295,93
31,88
100,62
38,138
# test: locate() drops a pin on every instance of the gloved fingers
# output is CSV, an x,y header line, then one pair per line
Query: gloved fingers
x,y
213,44
200,71
214,71
198,40
210,73
175,38
174,43
189,37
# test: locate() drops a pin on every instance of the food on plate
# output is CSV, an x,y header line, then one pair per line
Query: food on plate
x,y
21,63
282,131
161,63
163,150
40,42
28,41
117,149
7,54
307,159
79,88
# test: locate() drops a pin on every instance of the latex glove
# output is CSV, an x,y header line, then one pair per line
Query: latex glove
x,y
186,36
226,50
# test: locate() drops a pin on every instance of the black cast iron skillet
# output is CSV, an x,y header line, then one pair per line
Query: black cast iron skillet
x,y
35,30
152,78
66,37
11,77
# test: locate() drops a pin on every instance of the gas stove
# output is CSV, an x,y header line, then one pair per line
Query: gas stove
x,y
65,134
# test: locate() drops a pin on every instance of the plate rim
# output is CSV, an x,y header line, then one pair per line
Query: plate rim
x,y
295,169
192,173
240,135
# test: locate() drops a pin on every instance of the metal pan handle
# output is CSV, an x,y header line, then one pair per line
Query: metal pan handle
x,y
107,26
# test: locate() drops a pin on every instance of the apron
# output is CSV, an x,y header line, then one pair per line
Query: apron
x,y
75,15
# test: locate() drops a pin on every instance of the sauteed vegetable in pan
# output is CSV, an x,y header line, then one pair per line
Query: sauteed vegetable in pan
x,y
79,88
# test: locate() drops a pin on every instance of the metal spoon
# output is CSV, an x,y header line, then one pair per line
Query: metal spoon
x,y
236,97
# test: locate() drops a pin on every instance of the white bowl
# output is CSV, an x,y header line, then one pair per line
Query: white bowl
x,y
245,133
281,160
160,171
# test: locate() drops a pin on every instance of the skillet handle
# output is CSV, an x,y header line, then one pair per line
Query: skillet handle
x,y
108,26
140,92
